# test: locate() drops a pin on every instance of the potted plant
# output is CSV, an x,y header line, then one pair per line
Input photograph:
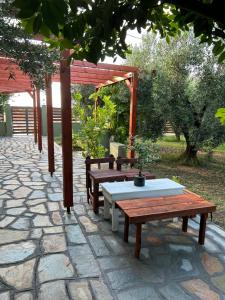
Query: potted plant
x,y
146,153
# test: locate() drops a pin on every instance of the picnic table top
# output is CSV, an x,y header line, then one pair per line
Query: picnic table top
x,y
146,209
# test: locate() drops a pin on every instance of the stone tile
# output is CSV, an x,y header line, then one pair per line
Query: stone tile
x,y
69,218
16,252
6,221
114,262
9,236
5,296
53,290
211,264
21,223
173,291
200,289
24,296
140,293
12,181
79,209
35,202
55,197
84,261
88,224
80,290
19,276
40,221
186,265
75,234
114,245
16,211
56,218
98,245
100,290
154,240
52,206
15,203
219,282
184,248
54,243
36,233
38,209
54,266
37,195
21,192
54,229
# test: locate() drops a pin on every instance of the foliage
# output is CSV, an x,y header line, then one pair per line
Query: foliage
x,y
147,152
189,86
3,101
95,120
95,29
34,59
220,114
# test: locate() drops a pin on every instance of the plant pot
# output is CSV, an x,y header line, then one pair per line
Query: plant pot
x,y
139,180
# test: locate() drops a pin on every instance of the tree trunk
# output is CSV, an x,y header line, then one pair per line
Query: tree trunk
x,y
190,155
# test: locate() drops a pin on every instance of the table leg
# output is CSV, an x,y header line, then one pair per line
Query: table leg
x,y
201,237
106,209
95,197
185,224
126,229
138,240
115,217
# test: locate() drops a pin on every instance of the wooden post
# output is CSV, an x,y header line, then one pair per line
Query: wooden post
x,y
185,224
126,229
132,85
35,117
50,130
201,237
39,119
138,240
66,131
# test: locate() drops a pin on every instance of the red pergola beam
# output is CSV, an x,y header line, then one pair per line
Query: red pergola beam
x,y
104,66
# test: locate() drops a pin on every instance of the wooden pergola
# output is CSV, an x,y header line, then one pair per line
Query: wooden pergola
x,y
13,80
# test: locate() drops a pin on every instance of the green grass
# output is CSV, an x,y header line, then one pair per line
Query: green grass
x,y
207,180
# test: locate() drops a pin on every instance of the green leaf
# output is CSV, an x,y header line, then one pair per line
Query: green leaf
x,y
221,57
220,114
37,24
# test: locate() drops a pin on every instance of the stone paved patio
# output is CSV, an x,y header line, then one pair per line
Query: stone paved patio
x,y
46,254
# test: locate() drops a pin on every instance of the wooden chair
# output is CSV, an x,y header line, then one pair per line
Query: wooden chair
x,y
125,161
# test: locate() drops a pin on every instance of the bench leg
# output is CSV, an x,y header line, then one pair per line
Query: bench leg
x,y
185,224
115,217
201,237
106,209
95,197
138,240
126,229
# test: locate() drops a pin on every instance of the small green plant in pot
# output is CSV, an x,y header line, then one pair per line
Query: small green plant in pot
x,y
147,153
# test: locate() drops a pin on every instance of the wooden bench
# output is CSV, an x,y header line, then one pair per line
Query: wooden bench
x,y
139,211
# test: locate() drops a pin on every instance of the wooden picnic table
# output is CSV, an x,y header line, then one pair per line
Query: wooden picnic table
x,y
99,176
140,211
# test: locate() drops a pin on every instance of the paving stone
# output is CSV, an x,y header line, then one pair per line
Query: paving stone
x,y
40,221
38,209
16,211
211,264
84,261
184,248
16,252
178,239
11,182
114,262
36,233
173,291
75,234
53,290
98,245
24,296
11,187
200,289
37,194
6,221
186,265
54,229
100,290
19,276
80,290
55,197
154,240
15,203
88,224
114,245
69,218
21,223
56,218
219,282
140,293
21,192
52,206
5,296
35,202
9,236
54,243
79,209
54,266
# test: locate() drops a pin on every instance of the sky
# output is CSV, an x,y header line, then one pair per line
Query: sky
x,y
24,99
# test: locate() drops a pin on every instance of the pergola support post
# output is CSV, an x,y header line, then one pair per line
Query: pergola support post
x,y
66,131
132,84
39,119
50,129
34,116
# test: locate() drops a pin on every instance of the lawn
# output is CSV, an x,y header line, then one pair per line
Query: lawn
x,y
207,180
